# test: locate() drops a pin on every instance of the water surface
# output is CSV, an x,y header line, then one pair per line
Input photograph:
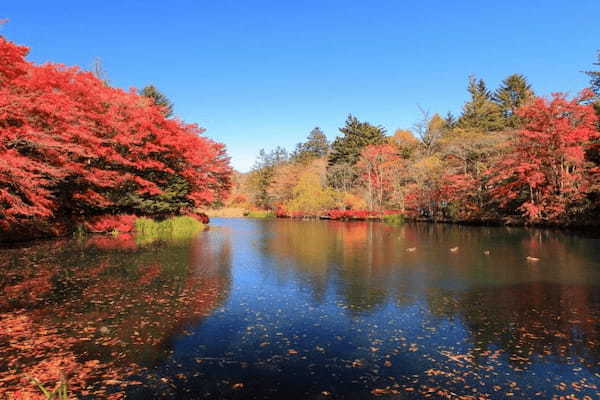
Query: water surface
x,y
308,310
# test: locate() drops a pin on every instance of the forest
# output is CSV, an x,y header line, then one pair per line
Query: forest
x,y
75,151
510,157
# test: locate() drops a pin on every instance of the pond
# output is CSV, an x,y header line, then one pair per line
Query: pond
x,y
306,310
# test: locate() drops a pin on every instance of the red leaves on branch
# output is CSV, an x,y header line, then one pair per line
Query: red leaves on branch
x,y
380,167
71,146
109,223
545,176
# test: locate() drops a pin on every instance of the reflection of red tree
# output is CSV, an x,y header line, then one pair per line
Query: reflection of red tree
x,y
114,318
126,241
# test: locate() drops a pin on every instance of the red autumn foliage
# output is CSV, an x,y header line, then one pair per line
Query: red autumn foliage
x,y
545,176
380,168
461,190
200,217
113,334
73,147
109,223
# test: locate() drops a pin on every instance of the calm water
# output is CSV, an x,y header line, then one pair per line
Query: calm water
x,y
287,309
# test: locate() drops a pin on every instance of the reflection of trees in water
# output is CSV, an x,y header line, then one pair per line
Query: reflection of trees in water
x,y
357,258
503,299
528,319
105,305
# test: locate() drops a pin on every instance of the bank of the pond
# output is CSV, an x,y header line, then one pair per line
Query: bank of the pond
x,y
108,224
391,216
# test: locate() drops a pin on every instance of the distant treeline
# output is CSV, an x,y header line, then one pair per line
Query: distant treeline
x,y
509,157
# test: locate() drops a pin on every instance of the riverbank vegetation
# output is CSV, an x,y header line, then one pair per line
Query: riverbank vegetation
x,y
510,157
74,150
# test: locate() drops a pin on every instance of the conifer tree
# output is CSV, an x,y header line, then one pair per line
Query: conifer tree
x,y
316,146
480,113
513,93
356,136
159,99
595,77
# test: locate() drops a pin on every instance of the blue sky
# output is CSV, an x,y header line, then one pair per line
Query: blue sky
x,y
257,74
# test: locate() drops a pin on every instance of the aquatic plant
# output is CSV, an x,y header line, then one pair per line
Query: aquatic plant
x,y
394,219
170,230
260,214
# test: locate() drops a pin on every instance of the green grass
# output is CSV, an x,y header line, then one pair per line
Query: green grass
x,y
60,393
394,219
170,230
260,214
79,232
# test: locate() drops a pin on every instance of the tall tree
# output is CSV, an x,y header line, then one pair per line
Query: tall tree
x,y
315,146
513,93
430,130
480,113
356,136
406,142
595,77
380,167
72,147
545,177
263,173
159,99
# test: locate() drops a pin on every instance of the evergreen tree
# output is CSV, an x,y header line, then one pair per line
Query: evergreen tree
x,y
159,99
316,146
513,93
480,113
450,120
595,77
357,135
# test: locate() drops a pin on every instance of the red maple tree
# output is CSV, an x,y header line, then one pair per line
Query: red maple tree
x,y
73,147
544,176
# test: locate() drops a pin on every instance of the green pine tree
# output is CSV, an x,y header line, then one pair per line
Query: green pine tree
x,y
346,149
159,99
480,113
514,92
595,77
316,146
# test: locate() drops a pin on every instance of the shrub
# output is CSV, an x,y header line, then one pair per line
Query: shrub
x,y
260,214
394,219
170,230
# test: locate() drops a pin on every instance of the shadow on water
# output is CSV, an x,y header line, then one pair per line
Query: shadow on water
x,y
315,309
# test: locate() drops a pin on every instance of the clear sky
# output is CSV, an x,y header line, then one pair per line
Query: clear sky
x,y
263,73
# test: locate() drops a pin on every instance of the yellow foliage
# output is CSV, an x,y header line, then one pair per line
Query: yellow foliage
x,y
310,197
353,202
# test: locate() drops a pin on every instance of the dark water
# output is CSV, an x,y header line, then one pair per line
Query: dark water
x,y
288,309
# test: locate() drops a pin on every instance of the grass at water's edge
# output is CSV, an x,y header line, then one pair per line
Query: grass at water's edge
x,y
260,214
393,219
173,229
